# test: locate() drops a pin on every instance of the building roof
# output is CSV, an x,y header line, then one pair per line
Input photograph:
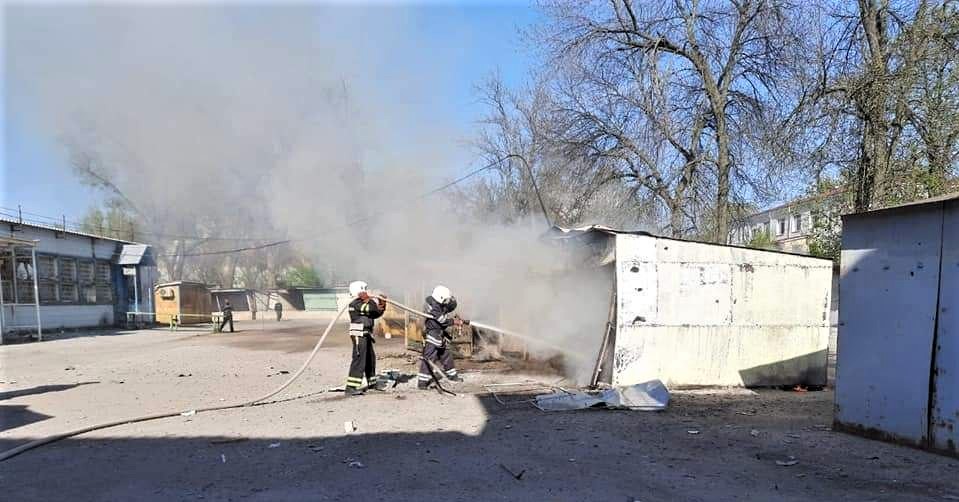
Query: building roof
x,y
54,228
559,232
132,254
794,202
568,233
908,205
179,283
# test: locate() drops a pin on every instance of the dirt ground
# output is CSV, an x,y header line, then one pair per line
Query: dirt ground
x,y
408,444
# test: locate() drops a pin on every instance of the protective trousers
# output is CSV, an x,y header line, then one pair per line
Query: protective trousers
x,y
440,355
227,319
363,363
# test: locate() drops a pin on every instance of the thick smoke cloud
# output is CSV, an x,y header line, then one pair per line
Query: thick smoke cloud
x,y
282,122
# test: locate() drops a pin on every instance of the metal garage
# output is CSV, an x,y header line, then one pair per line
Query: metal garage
x,y
897,375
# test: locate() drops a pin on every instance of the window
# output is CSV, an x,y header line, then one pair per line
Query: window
x,y
85,277
104,285
6,273
47,278
24,277
67,268
781,226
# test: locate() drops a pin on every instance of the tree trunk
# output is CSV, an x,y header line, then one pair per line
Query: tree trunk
x,y
723,167
676,218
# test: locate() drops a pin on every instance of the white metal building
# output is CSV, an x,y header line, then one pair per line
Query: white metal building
x,y
699,314
897,375
54,278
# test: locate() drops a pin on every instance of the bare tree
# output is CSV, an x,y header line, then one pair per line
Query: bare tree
x,y
518,135
703,75
888,82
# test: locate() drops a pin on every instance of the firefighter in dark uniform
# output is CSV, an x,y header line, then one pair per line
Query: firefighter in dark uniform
x,y
440,306
278,308
363,311
227,316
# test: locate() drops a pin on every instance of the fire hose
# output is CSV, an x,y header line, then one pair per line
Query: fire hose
x,y
253,402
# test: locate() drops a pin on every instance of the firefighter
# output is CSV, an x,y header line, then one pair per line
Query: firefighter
x,y
440,305
278,308
227,316
363,311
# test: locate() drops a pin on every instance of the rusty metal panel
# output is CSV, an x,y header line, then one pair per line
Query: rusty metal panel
x,y
888,290
945,392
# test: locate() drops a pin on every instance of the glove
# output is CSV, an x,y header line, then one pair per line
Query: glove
x,y
382,302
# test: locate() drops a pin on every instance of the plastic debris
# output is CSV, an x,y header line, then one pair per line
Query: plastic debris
x,y
787,463
223,458
356,464
754,433
647,396
349,426
189,413
692,431
274,445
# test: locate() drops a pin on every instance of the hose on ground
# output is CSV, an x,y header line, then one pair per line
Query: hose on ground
x,y
488,327
76,432
259,400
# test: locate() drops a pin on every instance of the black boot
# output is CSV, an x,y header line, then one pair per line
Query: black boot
x,y
355,392
421,385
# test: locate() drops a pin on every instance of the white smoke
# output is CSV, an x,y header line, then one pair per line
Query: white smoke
x,y
275,121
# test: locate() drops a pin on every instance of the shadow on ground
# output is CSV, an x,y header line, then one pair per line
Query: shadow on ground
x,y
731,454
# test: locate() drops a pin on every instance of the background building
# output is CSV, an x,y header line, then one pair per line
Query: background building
x,y
52,278
789,226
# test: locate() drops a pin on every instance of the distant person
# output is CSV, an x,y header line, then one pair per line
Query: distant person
x,y
436,347
227,316
278,308
363,312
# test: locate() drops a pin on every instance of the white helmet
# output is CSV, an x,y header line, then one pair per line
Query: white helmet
x,y
442,294
357,287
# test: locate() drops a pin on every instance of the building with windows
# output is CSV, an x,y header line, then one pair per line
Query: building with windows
x,y
788,226
53,278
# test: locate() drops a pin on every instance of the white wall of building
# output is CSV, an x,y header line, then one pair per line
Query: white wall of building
x,y
698,314
56,317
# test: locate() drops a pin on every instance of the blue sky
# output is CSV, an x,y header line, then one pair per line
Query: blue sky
x,y
472,39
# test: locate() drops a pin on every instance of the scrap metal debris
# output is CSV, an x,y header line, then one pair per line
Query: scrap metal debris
x,y
228,440
647,396
516,476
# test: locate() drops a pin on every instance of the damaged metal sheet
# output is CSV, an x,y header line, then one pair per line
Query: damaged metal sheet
x,y
646,396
